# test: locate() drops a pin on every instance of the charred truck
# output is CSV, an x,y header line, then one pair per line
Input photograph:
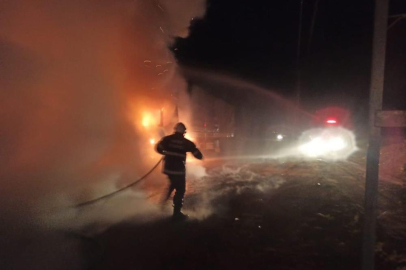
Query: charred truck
x,y
209,119
211,124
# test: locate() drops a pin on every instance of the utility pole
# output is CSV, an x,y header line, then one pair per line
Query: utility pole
x,y
297,97
375,106
315,8
299,39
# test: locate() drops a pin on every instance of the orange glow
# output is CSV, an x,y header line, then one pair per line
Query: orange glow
x,y
187,136
149,120
146,121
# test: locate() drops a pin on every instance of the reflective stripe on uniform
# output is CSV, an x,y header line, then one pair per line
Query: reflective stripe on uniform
x,y
174,154
174,172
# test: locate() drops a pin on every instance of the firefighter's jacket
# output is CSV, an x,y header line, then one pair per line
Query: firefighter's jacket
x,y
175,147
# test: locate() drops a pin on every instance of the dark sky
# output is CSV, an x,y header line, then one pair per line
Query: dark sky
x,y
257,40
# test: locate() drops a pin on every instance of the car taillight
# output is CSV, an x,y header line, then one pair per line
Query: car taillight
x,y
331,121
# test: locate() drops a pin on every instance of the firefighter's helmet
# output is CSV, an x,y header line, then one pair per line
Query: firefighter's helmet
x,y
180,128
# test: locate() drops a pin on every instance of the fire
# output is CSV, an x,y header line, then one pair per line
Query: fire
x,y
189,137
148,120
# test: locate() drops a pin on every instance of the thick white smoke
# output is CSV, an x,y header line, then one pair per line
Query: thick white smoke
x,y
73,77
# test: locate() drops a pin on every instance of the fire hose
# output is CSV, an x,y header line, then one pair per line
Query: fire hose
x,y
121,189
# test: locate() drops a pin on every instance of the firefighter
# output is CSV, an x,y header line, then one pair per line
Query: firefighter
x,y
174,147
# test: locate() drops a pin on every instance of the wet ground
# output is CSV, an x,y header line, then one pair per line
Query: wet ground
x,y
263,214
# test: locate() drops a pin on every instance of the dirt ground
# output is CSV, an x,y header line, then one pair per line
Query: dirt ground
x,y
263,214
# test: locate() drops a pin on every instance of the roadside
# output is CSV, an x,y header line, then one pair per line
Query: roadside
x,y
288,214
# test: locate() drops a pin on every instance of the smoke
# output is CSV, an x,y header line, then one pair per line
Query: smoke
x,y
333,144
224,183
75,78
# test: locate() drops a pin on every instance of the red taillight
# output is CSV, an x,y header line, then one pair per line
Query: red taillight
x,y
331,121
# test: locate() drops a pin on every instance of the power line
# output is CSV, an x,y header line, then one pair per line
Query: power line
x,y
315,9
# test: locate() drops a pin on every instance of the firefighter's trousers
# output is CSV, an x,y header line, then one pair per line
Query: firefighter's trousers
x,y
177,183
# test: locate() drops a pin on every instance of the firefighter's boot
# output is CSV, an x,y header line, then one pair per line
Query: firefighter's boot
x,y
177,213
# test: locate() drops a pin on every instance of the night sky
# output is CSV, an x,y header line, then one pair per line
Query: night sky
x,y
257,41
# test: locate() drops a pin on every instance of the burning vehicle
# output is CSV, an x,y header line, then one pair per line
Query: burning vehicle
x,y
211,124
209,120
